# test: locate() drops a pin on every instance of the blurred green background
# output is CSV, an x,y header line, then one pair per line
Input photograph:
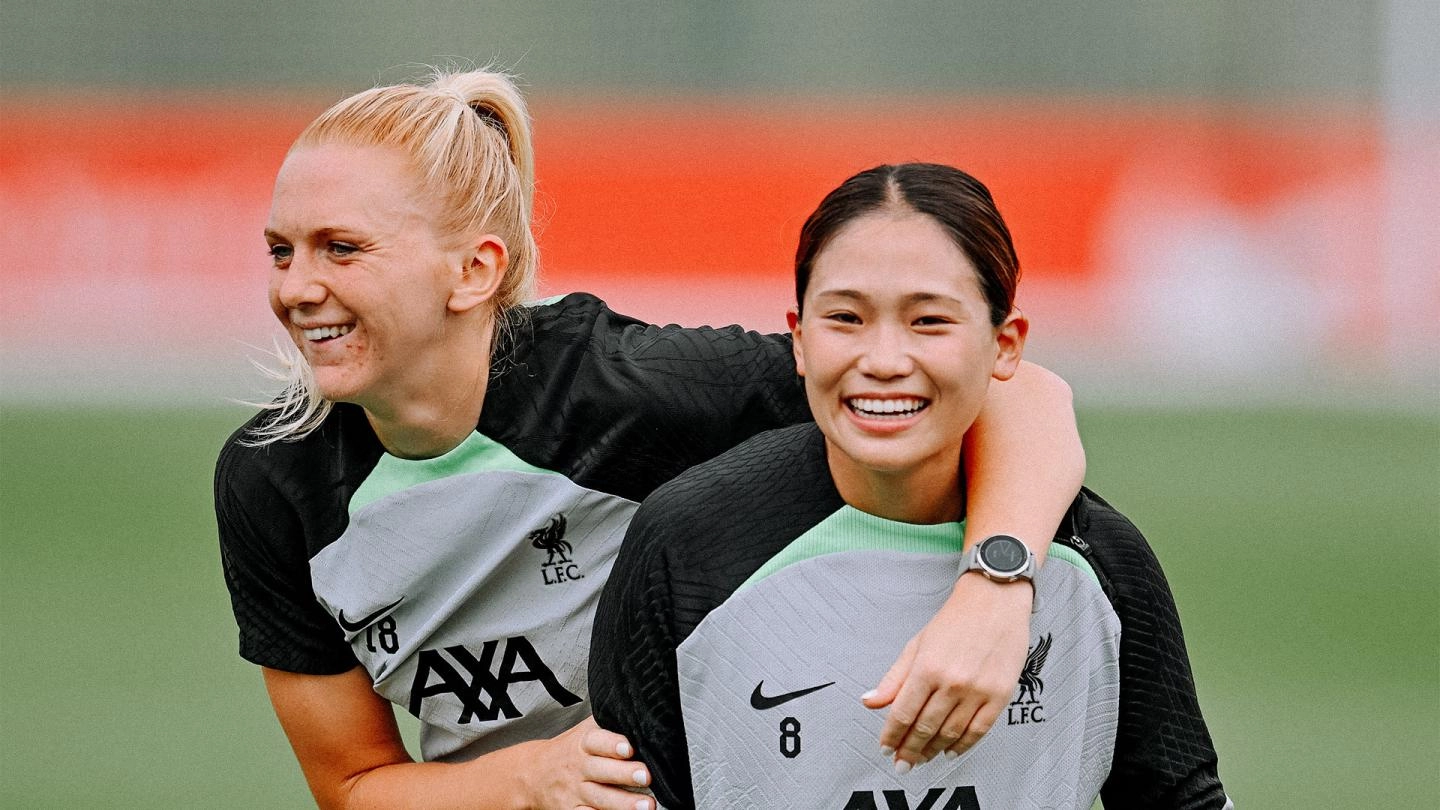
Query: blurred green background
x,y
1301,535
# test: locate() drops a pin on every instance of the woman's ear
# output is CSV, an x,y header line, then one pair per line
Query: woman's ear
x,y
480,276
792,318
1010,344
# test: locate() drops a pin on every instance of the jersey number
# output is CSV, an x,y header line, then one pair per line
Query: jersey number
x,y
384,630
790,738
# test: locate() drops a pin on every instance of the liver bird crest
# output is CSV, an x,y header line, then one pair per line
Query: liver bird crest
x,y
551,539
1030,683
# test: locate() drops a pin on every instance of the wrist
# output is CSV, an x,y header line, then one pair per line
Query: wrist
x,y
973,583
526,790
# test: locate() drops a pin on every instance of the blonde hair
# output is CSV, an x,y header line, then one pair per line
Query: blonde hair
x,y
467,136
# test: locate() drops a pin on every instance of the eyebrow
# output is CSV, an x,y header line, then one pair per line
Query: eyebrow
x,y
329,230
912,298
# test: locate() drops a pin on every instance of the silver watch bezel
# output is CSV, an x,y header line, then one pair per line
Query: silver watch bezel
x,y
1026,570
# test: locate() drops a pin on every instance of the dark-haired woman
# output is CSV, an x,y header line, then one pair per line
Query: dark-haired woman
x,y
747,587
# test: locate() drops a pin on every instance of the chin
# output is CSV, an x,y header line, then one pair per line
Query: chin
x,y
335,387
887,460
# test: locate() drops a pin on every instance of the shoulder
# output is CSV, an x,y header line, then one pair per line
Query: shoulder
x,y
767,470
697,538
1114,547
717,523
316,471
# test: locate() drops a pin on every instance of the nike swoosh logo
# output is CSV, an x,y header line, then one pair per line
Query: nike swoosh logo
x,y
758,700
357,626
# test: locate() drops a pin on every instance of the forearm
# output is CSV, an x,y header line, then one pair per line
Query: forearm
x,y
348,745
491,782
1023,460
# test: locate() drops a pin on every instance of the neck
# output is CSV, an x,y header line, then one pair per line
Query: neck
x,y
931,493
442,405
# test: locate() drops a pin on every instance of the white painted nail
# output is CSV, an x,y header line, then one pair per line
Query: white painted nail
x,y
868,695
624,750
641,777
887,751
952,754
902,766
642,804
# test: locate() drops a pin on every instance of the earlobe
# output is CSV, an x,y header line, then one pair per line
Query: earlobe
x,y
1010,344
792,318
481,274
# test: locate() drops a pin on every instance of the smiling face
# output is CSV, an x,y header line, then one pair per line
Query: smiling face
x,y
363,283
897,350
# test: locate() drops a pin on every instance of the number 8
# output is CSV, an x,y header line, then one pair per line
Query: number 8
x,y
790,737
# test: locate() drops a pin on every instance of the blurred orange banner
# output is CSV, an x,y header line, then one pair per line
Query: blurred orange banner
x,y
147,213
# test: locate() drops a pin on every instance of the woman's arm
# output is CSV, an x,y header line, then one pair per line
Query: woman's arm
x,y
1023,466
1024,463
351,753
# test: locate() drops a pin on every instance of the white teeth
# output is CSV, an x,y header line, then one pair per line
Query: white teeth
x,y
323,332
899,408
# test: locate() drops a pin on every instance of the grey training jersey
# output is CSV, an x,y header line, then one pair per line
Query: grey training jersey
x,y
750,608
466,584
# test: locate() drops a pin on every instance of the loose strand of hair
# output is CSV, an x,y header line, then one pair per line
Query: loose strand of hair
x,y
298,410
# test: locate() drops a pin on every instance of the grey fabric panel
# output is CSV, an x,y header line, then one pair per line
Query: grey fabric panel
x,y
459,552
844,617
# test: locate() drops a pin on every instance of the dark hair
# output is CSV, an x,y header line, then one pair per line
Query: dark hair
x,y
961,205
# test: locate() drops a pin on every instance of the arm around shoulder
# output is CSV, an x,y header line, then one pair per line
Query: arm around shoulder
x,y
1023,459
1023,466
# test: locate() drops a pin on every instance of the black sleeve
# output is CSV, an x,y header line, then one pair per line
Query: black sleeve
x,y
266,565
634,683
622,406
1163,754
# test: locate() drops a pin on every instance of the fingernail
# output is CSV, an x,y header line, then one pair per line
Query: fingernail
x,y
887,750
952,754
868,695
641,777
902,766
642,804
623,749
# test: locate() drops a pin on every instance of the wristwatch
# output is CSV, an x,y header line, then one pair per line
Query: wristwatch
x,y
1001,558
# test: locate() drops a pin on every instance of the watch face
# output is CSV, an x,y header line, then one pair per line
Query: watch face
x,y
1003,554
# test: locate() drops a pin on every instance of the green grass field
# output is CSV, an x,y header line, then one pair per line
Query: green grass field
x,y
1302,548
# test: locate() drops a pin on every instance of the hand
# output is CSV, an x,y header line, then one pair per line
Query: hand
x,y
953,678
588,768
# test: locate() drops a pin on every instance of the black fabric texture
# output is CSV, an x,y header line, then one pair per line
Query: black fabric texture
x,y
276,507
622,406
1164,757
